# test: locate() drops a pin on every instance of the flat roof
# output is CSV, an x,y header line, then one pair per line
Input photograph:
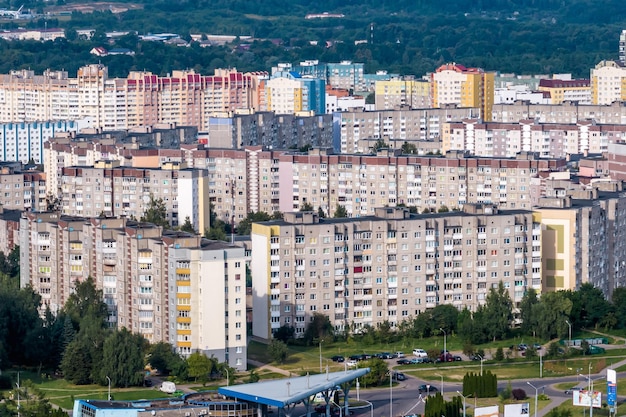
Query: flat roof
x,y
282,392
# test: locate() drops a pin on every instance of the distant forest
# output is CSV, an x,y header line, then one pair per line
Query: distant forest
x,y
408,37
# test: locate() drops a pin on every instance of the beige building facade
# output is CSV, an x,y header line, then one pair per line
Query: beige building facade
x,y
389,267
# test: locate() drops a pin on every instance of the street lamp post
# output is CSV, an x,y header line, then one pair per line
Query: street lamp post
x,y
590,381
337,405
321,356
569,325
459,392
372,409
440,376
109,380
445,348
227,377
390,394
536,395
481,363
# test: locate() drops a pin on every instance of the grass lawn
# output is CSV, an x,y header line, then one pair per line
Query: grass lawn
x,y
584,411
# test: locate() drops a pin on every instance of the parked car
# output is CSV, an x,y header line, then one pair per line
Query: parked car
x,y
404,361
458,358
399,376
338,358
420,353
537,346
384,355
476,358
355,358
445,357
416,360
399,355
427,389
351,363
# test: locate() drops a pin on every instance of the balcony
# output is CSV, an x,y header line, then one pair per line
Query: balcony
x,y
179,271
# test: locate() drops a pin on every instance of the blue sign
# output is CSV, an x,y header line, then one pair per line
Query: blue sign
x,y
611,394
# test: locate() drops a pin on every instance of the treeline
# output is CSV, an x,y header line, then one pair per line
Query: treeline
x,y
409,37
544,317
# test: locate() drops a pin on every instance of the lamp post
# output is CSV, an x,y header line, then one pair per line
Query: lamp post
x,y
536,394
481,363
590,381
459,392
390,394
321,370
445,348
227,376
109,379
337,405
372,409
440,376
569,325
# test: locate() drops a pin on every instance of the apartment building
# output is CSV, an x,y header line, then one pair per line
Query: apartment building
x,y
549,140
583,239
345,74
166,285
270,130
402,92
566,90
142,99
622,47
112,190
566,113
608,82
24,142
361,183
288,92
10,224
21,189
388,267
464,87
349,128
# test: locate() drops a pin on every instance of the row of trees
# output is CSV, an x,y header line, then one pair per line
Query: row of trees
x,y
483,385
543,317
410,38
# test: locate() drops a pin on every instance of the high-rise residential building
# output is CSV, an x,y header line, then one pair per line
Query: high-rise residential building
x,y
288,92
389,267
566,113
168,286
350,128
269,130
398,93
112,190
566,90
547,139
142,99
608,82
361,183
24,142
22,189
465,87
10,224
583,240
345,74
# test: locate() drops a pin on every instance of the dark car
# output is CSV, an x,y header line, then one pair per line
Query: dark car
x,y
147,382
458,358
445,357
404,361
355,358
399,376
338,358
476,358
427,389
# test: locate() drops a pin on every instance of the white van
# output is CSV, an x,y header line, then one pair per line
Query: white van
x,y
168,387
420,353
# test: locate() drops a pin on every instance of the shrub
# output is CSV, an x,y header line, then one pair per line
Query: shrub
x,y
5,382
519,394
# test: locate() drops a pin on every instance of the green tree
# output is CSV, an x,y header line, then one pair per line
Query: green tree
x,y
306,206
551,312
589,306
187,226
320,213
199,366
163,358
245,226
123,359
156,212
340,212
529,323
378,375
77,363
498,313
378,145
619,304
318,328
278,350
284,333
408,148
86,300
